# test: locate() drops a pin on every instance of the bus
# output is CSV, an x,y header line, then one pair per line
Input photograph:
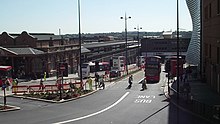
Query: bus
x,y
172,62
5,73
103,66
85,70
141,60
153,68
119,63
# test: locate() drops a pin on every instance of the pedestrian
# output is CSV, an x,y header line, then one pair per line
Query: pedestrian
x,y
7,82
102,83
45,76
14,84
106,74
144,85
41,85
96,79
130,79
89,81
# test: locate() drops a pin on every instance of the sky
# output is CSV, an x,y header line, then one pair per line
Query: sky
x,y
97,16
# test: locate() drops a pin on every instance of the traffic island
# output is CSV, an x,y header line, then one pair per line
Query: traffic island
x,y
56,97
51,93
5,108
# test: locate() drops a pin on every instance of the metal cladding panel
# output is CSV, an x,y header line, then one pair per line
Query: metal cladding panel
x,y
193,52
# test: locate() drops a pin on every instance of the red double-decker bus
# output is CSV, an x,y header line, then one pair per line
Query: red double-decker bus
x,y
153,68
172,61
6,74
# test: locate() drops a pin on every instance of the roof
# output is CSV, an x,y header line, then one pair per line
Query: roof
x,y
46,36
25,51
84,50
39,36
102,44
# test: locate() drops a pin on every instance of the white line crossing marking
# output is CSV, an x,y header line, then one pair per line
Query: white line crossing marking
x,y
144,98
93,114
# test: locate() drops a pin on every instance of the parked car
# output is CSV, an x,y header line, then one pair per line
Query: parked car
x,y
115,73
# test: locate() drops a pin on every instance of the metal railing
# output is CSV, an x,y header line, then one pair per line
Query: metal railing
x,y
186,100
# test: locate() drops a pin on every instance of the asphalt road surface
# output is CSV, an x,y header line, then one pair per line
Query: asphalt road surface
x,y
114,105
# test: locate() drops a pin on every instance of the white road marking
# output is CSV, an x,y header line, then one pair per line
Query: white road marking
x,y
144,99
93,114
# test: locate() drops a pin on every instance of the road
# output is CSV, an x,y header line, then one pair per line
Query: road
x,y
114,105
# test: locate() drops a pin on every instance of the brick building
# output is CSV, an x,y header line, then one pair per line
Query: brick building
x,y
35,53
211,43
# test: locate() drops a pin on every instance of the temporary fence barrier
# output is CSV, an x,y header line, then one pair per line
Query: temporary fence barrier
x,y
65,86
36,88
50,88
19,89
43,88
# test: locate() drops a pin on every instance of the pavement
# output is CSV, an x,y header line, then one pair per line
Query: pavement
x,y
201,101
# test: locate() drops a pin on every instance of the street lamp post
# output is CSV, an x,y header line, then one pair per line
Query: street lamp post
x,y
178,50
126,41
80,51
139,53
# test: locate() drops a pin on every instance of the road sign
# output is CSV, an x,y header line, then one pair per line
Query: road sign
x,y
63,69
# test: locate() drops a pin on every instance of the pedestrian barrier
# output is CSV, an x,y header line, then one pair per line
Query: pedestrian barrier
x,y
43,88
35,88
50,88
19,89
78,84
209,112
65,86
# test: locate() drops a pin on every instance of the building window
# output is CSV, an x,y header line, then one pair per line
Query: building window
x,y
218,6
218,55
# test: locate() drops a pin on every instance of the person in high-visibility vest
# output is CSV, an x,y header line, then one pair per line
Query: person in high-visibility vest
x,y
45,76
89,81
14,84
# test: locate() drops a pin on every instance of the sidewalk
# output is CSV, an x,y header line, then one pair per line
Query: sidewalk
x,y
201,101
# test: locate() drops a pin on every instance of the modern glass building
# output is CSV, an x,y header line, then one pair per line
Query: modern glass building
x,y
193,52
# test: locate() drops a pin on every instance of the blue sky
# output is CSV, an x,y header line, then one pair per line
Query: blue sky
x,y
48,16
